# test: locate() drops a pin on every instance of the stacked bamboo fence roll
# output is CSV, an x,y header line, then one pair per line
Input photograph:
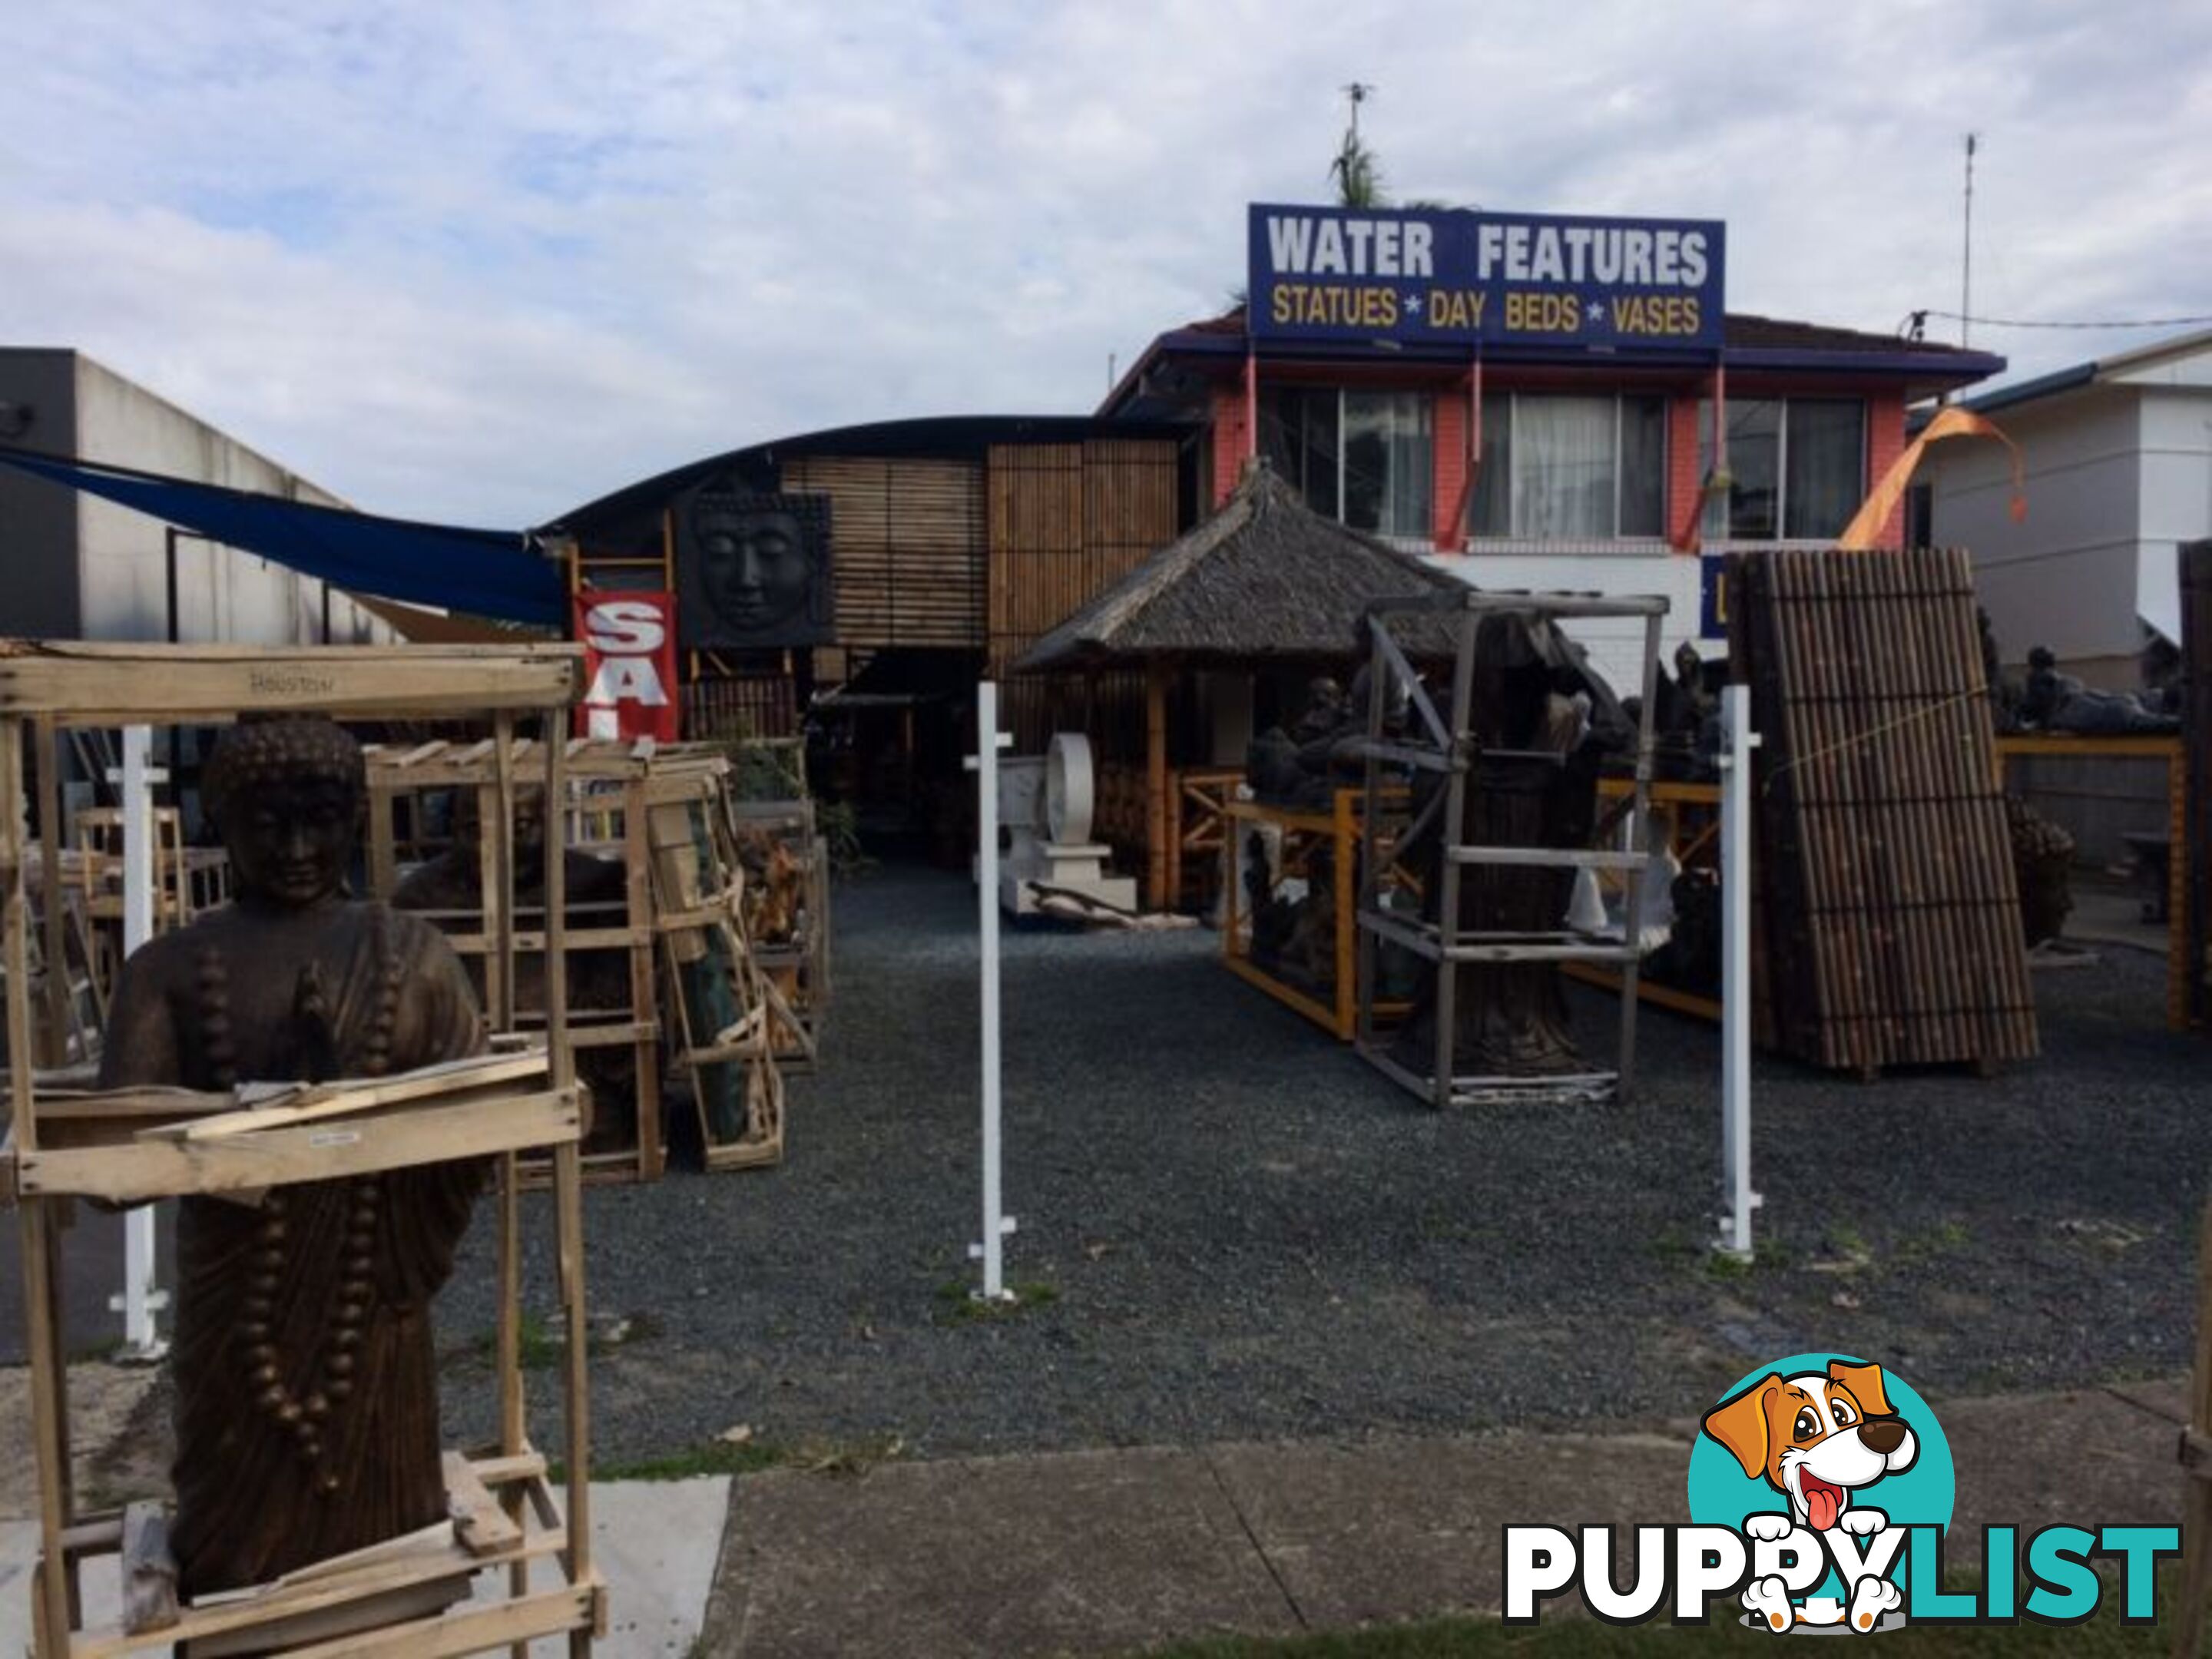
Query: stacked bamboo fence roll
x,y
1887,896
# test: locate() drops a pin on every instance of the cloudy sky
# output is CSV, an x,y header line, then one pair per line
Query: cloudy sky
x,y
484,260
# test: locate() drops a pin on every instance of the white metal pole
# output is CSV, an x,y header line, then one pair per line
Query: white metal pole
x,y
140,1300
1735,968
988,741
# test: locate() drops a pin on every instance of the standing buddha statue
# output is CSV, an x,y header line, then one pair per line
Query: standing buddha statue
x,y
306,1412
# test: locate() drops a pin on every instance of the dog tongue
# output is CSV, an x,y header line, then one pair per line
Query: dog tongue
x,y
1823,1503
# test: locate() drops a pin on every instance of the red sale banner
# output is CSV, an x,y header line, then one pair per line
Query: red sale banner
x,y
630,665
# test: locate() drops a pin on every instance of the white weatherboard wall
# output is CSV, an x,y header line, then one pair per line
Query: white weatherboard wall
x,y
223,594
2118,475
2064,577
2176,491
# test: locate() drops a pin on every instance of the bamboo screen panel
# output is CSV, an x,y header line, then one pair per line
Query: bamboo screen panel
x,y
1067,522
725,710
2197,737
1107,706
908,548
1886,896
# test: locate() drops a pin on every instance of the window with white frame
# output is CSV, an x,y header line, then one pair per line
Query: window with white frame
x,y
1364,457
1567,468
1797,468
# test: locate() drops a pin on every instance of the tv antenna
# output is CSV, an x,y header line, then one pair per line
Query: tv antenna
x,y
1966,255
1358,92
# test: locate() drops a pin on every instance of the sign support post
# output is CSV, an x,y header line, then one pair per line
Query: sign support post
x,y
141,1300
990,740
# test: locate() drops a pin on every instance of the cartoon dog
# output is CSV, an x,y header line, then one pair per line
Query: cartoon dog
x,y
1817,1437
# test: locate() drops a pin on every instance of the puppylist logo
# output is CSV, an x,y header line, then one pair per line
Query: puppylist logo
x,y
1820,1488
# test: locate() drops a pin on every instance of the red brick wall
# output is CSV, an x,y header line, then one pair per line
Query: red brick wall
x,y
1685,476
1448,498
1885,443
1231,439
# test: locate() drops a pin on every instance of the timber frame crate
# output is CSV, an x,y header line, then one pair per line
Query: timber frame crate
x,y
611,782
794,952
729,1012
139,1145
1302,835
1688,810
2173,752
1448,743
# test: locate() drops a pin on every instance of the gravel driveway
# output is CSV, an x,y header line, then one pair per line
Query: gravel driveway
x,y
1231,1228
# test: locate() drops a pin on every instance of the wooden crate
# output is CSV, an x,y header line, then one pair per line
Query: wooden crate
x,y
699,897
1308,840
605,777
141,1146
787,915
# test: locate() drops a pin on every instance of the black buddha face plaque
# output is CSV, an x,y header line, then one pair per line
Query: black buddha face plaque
x,y
753,570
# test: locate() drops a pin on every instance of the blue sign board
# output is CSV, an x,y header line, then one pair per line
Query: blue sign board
x,y
1713,596
1462,275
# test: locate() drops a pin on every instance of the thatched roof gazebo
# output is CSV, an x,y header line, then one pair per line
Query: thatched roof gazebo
x,y
1265,579
1265,582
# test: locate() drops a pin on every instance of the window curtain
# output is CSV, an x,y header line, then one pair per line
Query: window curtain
x,y
1751,510
1492,511
1642,466
1386,463
1298,435
1826,468
1563,467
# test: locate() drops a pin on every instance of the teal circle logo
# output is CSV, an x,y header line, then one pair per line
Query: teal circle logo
x,y
1764,1446
1722,1494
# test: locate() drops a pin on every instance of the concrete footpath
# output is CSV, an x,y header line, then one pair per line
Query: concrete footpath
x,y
1112,1553
1116,1551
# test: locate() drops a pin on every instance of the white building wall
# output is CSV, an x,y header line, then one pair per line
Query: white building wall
x,y
1615,644
2066,577
2176,483
223,594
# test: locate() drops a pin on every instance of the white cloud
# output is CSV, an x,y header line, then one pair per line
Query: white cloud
x,y
484,262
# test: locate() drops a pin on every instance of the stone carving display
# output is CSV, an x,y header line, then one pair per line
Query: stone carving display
x,y
305,1410
752,570
2059,702
2043,863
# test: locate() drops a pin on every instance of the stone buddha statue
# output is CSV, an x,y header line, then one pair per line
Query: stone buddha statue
x,y
306,1413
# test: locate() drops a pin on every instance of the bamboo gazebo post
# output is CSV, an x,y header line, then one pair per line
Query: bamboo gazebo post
x,y
1157,674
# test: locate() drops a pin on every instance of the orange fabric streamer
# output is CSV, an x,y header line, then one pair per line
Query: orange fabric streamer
x,y
1864,530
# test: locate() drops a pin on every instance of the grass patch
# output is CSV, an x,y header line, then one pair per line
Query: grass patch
x,y
1766,1258
1567,1637
538,1348
1931,1243
541,1346
715,1457
957,1305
